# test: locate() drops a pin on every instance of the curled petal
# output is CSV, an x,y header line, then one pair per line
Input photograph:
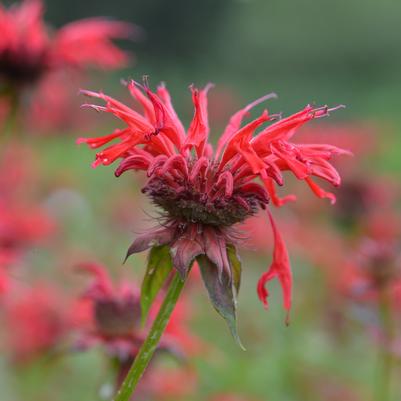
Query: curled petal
x,y
157,162
175,162
319,192
201,163
277,201
134,162
256,190
228,180
290,158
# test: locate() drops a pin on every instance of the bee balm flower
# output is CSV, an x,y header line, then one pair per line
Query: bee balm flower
x,y
204,193
28,52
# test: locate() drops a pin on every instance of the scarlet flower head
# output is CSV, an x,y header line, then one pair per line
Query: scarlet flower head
x,y
28,51
203,193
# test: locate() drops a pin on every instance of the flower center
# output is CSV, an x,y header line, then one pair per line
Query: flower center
x,y
116,317
204,199
21,68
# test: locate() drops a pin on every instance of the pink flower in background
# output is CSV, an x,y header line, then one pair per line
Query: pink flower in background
x,y
203,193
114,315
21,227
48,61
28,52
37,321
3,277
114,318
231,397
374,267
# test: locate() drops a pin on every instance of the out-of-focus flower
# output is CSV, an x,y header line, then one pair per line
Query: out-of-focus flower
x,y
21,226
231,397
3,277
28,51
114,315
113,322
360,137
171,383
204,193
33,56
36,319
374,267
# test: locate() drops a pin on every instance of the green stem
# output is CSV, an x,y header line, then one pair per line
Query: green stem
x,y
386,360
149,346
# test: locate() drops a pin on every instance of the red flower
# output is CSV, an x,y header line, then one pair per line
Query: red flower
x,y
230,397
21,226
36,321
115,315
114,322
28,52
204,193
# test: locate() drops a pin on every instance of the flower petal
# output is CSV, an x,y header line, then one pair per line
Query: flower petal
x,y
279,268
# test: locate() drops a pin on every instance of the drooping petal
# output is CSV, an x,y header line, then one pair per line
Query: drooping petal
x,y
134,162
280,268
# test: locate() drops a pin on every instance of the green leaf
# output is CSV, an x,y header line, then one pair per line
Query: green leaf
x,y
157,271
236,266
220,293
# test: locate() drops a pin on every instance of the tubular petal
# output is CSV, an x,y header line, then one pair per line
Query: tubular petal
x,y
279,268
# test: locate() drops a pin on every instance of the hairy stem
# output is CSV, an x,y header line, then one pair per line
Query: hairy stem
x,y
149,346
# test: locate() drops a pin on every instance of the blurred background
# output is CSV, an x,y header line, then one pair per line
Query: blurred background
x,y
343,341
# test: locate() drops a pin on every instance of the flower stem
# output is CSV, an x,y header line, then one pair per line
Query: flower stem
x,y
386,360
149,346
